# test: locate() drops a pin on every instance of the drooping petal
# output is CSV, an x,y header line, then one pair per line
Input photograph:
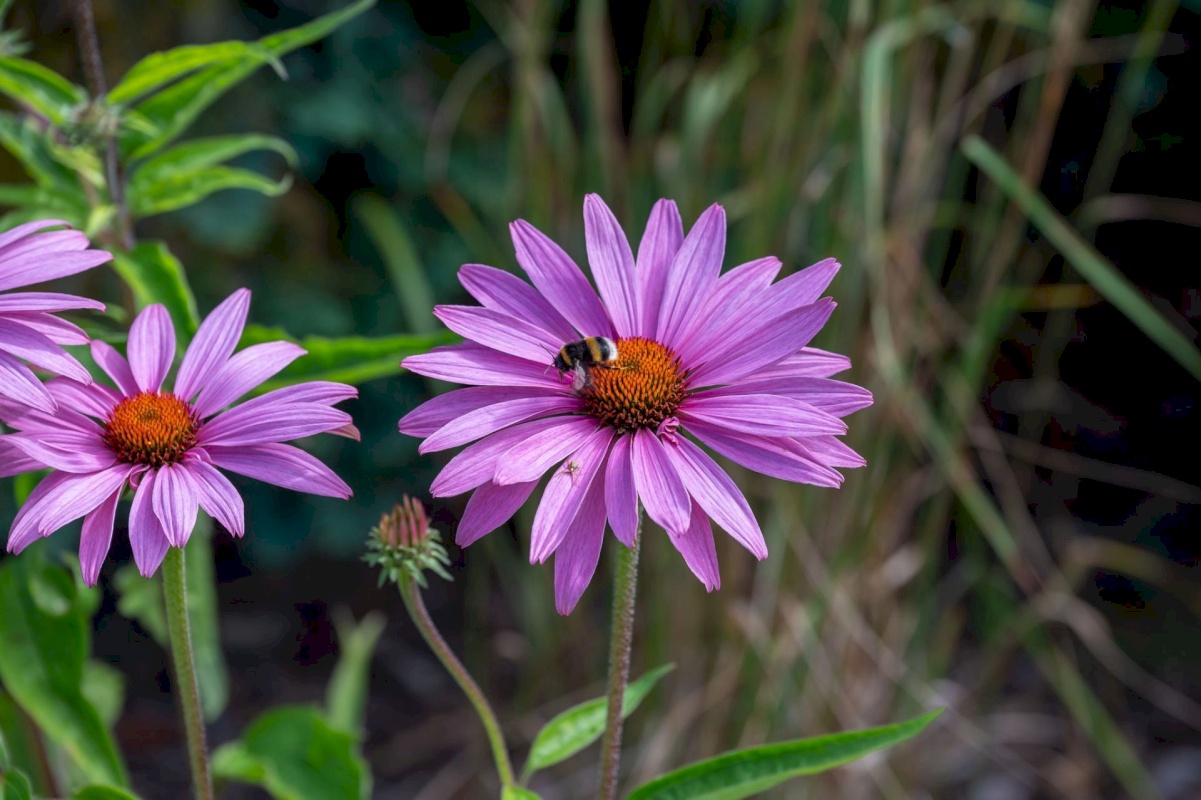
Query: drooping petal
x,y
281,465
559,280
697,547
277,423
833,397
692,273
564,493
151,347
477,463
662,238
18,382
217,496
147,538
115,365
764,344
213,344
659,487
65,450
27,525
717,494
534,455
502,291
175,503
501,332
37,348
489,507
76,495
577,557
762,414
621,494
612,265
13,461
96,537
475,364
244,371
46,301
764,455
481,422
438,411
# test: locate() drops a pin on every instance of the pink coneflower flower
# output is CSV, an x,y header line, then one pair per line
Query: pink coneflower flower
x,y
166,445
722,359
29,331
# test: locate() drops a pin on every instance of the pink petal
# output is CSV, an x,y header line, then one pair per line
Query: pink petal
x,y
577,557
489,507
65,450
692,273
762,414
662,238
38,349
763,344
697,547
46,301
175,503
827,450
477,463
621,494
710,328
56,330
832,397
96,537
146,535
808,362
498,331
499,290
481,422
79,494
116,366
19,383
475,364
529,458
659,487
717,494
217,496
281,465
27,229
151,347
437,412
27,525
277,423
35,265
13,461
319,392
565,492
213,344
806,287
243,372
767,456
612,265
559,280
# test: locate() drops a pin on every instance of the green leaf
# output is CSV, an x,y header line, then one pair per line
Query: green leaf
x,y
295,754
141,599
1104,277
579,726
97,792
165,115
46,640
350,359
28,144
42,89
159,69
156,276
17,750
15,786
104,687
62,204
346,696
518,793
742,773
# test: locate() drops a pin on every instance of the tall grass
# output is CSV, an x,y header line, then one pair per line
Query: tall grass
x,y
853,129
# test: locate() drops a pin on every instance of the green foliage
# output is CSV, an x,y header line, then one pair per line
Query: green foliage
x,y
14,786
744,773
390,235
104,687
102,793
579,726
518,793
295,754
156,276
46,641
346,697
42,89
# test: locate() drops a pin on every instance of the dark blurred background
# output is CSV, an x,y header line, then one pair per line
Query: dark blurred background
x,y
1023,544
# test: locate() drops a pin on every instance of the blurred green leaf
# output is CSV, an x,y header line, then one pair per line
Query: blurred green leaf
x,y
391,238
17,751
350,359
62,205
165,115
156,276
14,786
159,69
518,793
141,599
579,726
295,754
46,640
5,764
42,89
104,687
27,143
346,697
1104,277
742,773
102,793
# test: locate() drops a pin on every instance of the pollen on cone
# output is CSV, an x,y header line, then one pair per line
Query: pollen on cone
x,y
152,428
643,387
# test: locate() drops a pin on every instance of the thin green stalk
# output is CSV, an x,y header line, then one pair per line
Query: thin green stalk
x,y
411,594
176,594
625,588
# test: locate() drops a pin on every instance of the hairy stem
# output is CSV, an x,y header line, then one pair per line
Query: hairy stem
x,y
625,587
176,595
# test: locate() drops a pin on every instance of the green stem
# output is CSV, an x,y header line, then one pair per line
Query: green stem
x,y
411,594
625,587
176,595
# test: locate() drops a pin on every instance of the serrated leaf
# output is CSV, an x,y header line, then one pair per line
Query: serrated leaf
x,y
46,640
165,115
579,726
295,754
42,89
743,773
159,69
183,189
346,696
349,359
156,276
96,792
518,793
15,786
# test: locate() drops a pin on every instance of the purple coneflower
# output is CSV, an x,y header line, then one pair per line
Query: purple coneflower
x,y
167,445
722,359
29,331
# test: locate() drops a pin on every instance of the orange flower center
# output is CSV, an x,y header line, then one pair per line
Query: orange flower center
x,y
152,428
643,387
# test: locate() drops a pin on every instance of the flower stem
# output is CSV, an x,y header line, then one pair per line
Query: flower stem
x,y
625,587
411,594
175,592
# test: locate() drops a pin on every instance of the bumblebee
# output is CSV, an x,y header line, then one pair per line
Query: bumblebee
x,y
579,357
